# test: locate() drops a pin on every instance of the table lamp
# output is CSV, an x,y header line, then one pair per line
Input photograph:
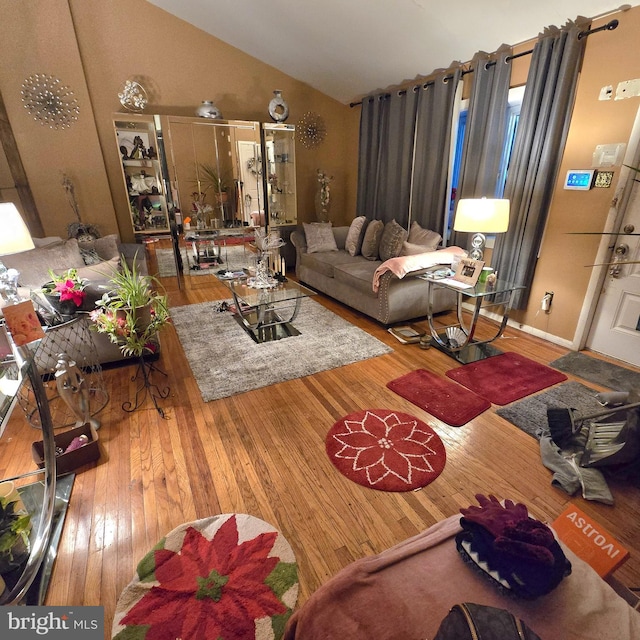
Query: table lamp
x,y
14,239
480,216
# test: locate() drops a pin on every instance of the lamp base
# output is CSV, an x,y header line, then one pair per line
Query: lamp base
x,y
478,242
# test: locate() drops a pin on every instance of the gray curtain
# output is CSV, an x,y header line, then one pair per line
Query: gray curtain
x,y
387,125
486,129
540,139
403,140
430,196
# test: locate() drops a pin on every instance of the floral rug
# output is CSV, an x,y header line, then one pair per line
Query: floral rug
x,y
227,577
386,450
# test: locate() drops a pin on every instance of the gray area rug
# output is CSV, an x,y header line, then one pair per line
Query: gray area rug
x,y
233,257
596,370
530,414
226,361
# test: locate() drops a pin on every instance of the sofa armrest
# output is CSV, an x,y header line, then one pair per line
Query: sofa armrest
x,y
133,251
298,240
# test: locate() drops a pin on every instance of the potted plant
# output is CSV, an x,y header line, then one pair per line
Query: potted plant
x,y
132,312
212,179
14,535
65,292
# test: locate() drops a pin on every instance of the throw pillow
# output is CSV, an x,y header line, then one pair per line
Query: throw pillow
x,y
103,271
424,237
319,236
391,241
43,242
34,265
409,249
90,256
106,247
371,240
353,243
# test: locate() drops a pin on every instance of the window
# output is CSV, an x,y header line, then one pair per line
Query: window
x,y
513,118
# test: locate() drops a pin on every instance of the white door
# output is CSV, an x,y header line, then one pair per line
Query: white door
x,y
616,326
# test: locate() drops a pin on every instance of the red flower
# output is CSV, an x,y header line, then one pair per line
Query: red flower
x,y
387,446
209,589
68,291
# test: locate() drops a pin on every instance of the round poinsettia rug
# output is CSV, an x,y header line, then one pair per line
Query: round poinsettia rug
x,y
230,577
386,450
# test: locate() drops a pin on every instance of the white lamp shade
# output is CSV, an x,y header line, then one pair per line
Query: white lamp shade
x,y
15,236
482,215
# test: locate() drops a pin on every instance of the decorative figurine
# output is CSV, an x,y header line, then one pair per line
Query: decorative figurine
x,y
73,390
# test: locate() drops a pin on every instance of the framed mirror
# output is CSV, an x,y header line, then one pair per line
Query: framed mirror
x,y
215,170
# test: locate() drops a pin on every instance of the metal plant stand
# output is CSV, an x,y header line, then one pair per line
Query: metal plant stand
x,y
75,339
147,388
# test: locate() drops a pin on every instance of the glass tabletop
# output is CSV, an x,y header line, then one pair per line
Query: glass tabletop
x,y
283,292
479,290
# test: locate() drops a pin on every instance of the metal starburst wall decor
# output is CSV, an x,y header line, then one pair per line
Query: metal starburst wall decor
x,y
49,101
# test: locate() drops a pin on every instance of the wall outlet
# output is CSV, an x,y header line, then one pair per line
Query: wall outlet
x,y
546,301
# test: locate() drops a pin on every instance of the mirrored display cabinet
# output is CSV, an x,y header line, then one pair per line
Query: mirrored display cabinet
x,y
215,169
202,175
144,178
280,163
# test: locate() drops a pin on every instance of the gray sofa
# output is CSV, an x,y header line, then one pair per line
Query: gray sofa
x,y
349,279
103,256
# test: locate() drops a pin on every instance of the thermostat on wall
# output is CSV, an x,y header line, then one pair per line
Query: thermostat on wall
x,y
581,179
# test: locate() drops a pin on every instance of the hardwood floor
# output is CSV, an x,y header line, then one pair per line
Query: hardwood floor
x,y
262,453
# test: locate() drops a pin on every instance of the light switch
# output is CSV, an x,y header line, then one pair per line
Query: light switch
x,y
608,155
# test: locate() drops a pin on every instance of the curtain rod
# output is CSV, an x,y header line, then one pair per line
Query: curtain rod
x,y
610,26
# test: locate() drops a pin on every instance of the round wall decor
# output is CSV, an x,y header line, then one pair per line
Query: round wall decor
x,y
311,130
133,96
49,101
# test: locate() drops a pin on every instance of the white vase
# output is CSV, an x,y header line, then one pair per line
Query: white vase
x,y
278,108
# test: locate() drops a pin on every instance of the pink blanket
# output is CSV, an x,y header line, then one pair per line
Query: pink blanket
x,y
402,265
404,592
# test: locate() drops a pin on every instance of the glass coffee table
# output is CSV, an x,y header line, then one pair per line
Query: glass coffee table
x,y
266,313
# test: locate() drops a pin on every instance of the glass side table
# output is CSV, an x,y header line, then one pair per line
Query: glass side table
x,y
457,339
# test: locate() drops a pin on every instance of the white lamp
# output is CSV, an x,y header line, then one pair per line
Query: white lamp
x,y
15,238
480,216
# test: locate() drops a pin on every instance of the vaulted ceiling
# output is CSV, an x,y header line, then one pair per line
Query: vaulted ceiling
x,y
349,48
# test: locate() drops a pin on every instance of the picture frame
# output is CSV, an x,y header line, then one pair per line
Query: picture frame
x,y
468,271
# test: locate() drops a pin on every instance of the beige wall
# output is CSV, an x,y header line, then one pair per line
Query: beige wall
x,y
610,57
94,46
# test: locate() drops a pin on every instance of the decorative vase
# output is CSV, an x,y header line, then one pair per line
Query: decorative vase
x,y
278,108
322,210
66,308
143,316
208,110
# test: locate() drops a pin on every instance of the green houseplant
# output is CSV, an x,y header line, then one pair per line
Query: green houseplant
x,y
210,179
14,535
133,311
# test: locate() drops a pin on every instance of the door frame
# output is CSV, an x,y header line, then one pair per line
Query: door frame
x,y
615,216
